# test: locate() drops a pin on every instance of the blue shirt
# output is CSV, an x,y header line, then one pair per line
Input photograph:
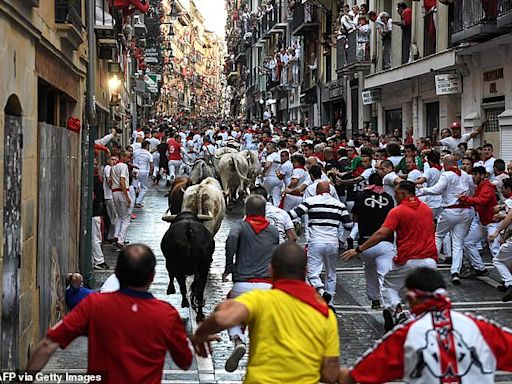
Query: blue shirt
x,y
74,296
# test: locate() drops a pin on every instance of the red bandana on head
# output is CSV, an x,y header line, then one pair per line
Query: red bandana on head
x,y
258,223
303,292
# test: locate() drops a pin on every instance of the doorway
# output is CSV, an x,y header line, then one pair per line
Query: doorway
x,y
12,234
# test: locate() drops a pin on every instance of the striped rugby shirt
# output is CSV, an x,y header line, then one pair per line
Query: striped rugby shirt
x,y
327,216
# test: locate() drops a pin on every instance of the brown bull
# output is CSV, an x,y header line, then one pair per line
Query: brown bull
x,y
175,195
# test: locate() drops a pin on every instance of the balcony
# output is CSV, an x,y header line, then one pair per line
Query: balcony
x,y
305,19
340,53
356,56
278,17
473,23
504,18
68,17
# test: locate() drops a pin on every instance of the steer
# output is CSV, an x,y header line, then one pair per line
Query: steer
x,y
188,248
253,162
206,200
175,195
233,171
200,171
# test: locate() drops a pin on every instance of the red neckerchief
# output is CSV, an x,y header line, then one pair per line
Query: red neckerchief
x,y
454,169
258,223
437,300
303,292
413,168
436,166
375,188
299,167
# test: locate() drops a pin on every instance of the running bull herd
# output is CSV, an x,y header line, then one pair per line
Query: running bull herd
x,y
197,205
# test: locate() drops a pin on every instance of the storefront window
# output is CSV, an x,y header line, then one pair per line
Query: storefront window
x,y
393,120
432,117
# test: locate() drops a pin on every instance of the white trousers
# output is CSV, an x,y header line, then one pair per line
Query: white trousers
x,y
503,262
273,186
237,290
320,255
124,214
395,279
156,162
291,201
377,262
174,168
475,236
144,186
112,215
97,252
456,221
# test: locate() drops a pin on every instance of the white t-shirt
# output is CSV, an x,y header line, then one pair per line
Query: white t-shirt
x,y
143,159
388,182
280,219
120,170
395,160
136,146
111,284
107,192
414,175
275,159
432,175
301,175
451,143
311,190
286,169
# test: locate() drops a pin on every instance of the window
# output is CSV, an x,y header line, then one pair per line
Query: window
x,y
393,120
491,115
432,117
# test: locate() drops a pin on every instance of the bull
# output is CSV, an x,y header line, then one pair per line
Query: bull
x,y
175,195
188,250
200,171
218,155
207,201
253,163
233,171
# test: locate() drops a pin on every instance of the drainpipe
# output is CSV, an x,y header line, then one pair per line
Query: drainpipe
x,y
86,261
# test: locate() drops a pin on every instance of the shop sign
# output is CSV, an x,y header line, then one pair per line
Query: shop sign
x,y
371,97
449,84
336,89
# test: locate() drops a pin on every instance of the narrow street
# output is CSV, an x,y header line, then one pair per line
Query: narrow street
x,y
359,325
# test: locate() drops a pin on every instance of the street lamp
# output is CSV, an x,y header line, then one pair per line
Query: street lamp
x,y
113,85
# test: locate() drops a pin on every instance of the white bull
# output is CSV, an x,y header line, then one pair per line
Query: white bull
x,y
233,172
218,154
253,163
207,201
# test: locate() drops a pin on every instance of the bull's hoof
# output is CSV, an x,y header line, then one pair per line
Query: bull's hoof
x,y
185,303
200,318
170,289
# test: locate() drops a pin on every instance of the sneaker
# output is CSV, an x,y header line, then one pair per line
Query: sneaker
x,y
376,304
467,272
138,205
389,323
483,272
236,356
101,266
501,288
508,295
455,279
401,317
350,243
327,297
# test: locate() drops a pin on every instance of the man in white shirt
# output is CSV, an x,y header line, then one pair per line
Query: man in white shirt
x,y
143,159
487,161
455,218
278,217
270,180
452,137
109,202
389,177
123,196
285,170
414,173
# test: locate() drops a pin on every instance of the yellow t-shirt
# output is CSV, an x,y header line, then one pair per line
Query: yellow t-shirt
x,y
289,339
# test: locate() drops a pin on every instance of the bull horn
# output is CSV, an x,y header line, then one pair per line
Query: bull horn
x,y
205,217
182,190
168,217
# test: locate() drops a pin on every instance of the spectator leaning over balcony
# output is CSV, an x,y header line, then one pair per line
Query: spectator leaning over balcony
x,y
363,38
384,25
405,23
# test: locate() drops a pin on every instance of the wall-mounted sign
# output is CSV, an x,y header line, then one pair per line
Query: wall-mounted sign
x,y
449,84
371,96
494,84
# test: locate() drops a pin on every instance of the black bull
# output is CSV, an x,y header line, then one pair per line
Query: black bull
x,y
188,248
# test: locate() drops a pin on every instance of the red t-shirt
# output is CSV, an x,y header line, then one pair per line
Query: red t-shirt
x,y
129,334
174,149
407,17
415,234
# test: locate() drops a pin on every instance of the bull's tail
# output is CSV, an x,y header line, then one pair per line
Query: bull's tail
x,y
235,167
200,270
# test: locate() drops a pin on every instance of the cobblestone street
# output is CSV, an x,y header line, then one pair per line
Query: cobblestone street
x,y
359,326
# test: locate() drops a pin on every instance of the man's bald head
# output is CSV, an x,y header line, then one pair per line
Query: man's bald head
x,y
449,161
312,160
135,266
289,262
323,187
